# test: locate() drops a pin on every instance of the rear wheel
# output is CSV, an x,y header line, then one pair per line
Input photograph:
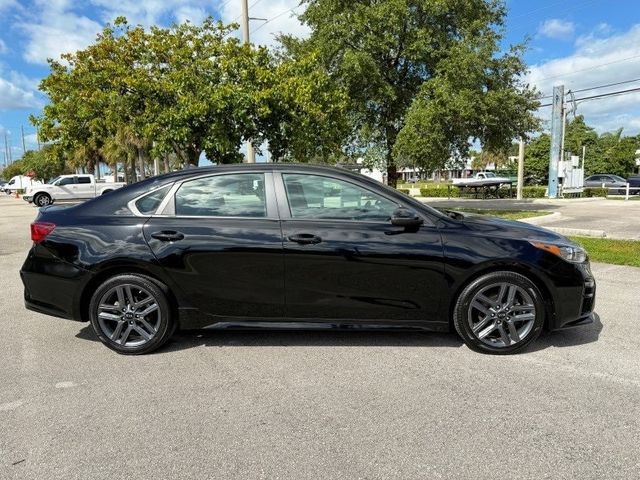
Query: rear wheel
x,y
499,313
131,314
42,199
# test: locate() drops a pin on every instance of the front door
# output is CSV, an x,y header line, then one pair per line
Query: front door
x,y
221,244
344,259
65,188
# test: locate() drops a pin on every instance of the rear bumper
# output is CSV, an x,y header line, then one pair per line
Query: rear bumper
x,y
52,286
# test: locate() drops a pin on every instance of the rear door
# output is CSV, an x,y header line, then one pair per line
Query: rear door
x,y
344,259
219,239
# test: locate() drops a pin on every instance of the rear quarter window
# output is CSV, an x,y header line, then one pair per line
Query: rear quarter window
x,y
148,204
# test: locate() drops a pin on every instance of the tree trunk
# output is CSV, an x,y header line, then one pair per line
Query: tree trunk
x,y
392,170
167,168
193,155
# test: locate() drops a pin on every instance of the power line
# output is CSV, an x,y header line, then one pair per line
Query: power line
x,y
276,17
601,95
597,88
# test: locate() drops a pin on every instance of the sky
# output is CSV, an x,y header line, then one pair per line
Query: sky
x,y
579,43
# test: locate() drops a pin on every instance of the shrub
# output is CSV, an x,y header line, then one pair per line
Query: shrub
x,y
442,191
595,192
404,190
533,192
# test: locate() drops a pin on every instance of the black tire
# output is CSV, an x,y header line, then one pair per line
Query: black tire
x,y
467,314
42,199
106,191
159,325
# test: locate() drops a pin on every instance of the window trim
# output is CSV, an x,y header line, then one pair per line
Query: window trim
x,y
131,205
167,207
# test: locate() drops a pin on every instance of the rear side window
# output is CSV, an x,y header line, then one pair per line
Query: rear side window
x,y
148,204
84,180
233,195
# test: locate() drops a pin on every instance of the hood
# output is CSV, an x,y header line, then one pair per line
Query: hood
x,y
513,229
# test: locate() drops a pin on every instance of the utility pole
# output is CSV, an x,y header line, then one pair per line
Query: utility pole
x,y
38,137
251,155
24,148
520,170
6,148
556,139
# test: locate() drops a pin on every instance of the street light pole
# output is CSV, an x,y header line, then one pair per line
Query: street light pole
x,y
251,155
520,170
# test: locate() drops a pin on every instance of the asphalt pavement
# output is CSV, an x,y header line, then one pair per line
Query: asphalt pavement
x,y
327,404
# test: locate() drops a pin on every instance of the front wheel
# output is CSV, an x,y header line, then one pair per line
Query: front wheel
x,y
131,314
42,199
499,313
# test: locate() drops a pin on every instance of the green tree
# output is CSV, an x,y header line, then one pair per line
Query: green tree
x,y
436,60
536,157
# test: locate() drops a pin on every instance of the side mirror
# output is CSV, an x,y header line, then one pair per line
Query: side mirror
x,y
403,217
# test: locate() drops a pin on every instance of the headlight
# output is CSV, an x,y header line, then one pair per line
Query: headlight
x,y
570,253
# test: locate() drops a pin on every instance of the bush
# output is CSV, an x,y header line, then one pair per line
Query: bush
x,y
595,192
403,190
442,191
533,192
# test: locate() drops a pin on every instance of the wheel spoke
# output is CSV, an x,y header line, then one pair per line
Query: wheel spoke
x,y
511,295
503,335
117,331
148,326
125,335
478,306
106,306
142,332
513,332
523,317
121,300
503,290
481,324
148,310
109,316
486,331
526,307
484,299
144,301
130,300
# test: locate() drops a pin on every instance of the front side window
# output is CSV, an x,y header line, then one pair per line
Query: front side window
x,y
66,181
233,195
314,196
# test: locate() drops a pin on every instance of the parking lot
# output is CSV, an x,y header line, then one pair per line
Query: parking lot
x,y
294,405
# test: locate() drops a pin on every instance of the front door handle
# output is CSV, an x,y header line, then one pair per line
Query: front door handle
x,y
305,238
168,236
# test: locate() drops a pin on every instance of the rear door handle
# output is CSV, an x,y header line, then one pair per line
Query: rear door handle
x,y
168,236
305,238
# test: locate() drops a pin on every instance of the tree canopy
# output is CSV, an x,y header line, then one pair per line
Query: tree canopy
x,y
184,90
423,77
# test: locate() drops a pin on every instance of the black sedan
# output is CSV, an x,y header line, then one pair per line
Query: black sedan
x,y
289,244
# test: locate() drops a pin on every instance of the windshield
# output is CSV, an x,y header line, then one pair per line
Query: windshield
x,y
489,174
618,178
53,180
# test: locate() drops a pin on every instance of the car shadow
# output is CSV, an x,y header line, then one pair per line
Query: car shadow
x,y
186,339
569,338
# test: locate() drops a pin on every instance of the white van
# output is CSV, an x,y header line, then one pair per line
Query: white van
x,y
19,182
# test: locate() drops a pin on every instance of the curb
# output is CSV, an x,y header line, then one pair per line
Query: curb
x,y
538,220
578,232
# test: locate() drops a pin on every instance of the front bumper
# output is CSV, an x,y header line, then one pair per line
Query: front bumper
x,y
574,304
27,198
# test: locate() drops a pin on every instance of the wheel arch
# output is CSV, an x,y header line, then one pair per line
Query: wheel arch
x,y
123,269
530,273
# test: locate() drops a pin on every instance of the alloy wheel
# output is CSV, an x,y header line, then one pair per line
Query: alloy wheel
x,y
501,314
129,315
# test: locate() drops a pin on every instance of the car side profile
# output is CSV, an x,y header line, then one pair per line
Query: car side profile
x,y
269,244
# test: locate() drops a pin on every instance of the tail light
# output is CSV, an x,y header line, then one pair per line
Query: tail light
x,y
40,230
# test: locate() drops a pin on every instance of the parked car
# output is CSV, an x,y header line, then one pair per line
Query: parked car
x,y
2,185
273,244
69,187
609,181
19,182
634,183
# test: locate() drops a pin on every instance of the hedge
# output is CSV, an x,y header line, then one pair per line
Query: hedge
x,y
595,192
404,190
527,192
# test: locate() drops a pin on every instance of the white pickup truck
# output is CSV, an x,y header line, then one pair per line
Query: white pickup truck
x,y
69,187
